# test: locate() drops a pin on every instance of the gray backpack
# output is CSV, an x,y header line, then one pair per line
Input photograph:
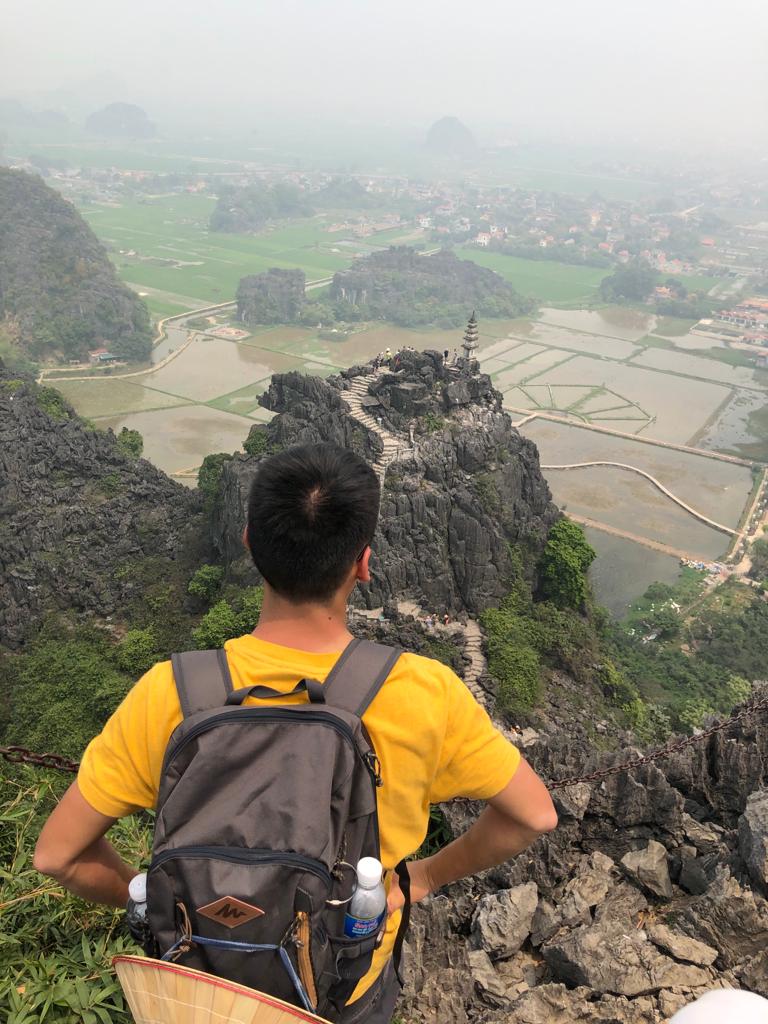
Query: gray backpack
x,y
262,815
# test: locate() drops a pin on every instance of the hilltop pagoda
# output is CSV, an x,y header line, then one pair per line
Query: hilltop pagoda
x,y
470,342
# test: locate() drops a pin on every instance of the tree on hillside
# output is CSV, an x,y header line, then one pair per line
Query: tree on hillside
x,y
275,297
130,443
633,282
564,564
759,555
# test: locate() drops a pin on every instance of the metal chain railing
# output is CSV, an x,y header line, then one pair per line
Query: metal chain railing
x,y
752,708
20,755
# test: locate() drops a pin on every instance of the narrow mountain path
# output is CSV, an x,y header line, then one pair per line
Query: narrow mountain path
x,y
394,446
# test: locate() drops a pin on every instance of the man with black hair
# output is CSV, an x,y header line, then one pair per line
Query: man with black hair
x,y
312,516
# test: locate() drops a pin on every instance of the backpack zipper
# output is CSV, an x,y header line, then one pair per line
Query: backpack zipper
x,y
265,715
240,714
245,856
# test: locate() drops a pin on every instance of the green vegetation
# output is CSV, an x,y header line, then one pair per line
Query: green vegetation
x,y
632,282
56,949
130,443
247,209
65,684
566,560
279,297
527,638
209,476
547,281
410,290
51,402
209,266
687,666
206,582
58,290
137,651
226,620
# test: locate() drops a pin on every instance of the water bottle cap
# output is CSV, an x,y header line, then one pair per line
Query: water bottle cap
x,y
137,888
368,872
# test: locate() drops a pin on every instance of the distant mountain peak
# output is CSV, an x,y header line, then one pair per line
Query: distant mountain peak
x,y
121,120
450,137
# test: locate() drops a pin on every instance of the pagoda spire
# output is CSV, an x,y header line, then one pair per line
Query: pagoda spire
x,y
470,341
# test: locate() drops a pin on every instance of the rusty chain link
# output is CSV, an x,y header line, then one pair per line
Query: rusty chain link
x,y
20,755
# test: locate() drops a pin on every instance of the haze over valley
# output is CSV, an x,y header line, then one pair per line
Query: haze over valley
x,y
518,261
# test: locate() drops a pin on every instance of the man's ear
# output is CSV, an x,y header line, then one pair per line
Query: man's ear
x,y
245,539
363,572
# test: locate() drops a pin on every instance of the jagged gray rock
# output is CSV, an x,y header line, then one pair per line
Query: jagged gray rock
x,y
438,979
556,1004
609,959
649,867
502,922
488,981
78,518
681,947
451,505
754,975
732,919
573,801
753,837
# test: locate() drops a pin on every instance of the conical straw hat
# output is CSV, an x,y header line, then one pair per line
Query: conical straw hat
x,y
166,993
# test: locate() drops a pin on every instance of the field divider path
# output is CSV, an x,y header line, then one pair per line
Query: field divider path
x,y
654,545
705,453
657,484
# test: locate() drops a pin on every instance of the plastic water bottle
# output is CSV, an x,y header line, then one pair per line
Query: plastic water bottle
x,y
136,908
368,906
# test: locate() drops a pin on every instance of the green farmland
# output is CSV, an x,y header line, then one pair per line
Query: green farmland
x,y
181,265
547,280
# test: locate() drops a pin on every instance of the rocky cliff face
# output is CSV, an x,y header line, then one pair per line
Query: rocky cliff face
x,y
650,892
59,294
455,497
77,516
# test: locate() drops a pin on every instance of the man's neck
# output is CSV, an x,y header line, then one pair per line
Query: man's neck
x,y
305,627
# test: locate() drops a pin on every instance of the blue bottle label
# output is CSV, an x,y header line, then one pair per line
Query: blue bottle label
x,y
362,927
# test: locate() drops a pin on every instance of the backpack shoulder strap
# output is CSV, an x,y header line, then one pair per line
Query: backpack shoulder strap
x,y
358,675
202,680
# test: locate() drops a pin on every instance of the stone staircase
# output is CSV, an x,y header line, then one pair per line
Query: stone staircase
x,y
473,646
394,446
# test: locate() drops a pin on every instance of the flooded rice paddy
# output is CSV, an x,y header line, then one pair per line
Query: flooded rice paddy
x,y
718,489
623,570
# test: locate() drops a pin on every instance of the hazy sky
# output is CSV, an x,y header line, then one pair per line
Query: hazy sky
x,y
650,69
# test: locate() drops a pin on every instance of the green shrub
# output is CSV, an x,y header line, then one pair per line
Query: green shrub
x,y
257,441
51,402
137,651
564,564
209,477
55,957
130,443
431,422
223,621
206,582
63,688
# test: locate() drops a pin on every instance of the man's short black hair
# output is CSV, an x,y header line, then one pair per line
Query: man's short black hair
x,y
312,511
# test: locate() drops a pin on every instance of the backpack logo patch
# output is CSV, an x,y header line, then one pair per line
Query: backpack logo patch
x,y
230,911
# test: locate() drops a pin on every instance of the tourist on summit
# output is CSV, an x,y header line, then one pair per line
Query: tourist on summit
x,y
311,519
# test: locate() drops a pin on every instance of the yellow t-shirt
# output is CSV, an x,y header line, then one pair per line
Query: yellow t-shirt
x,y
433,739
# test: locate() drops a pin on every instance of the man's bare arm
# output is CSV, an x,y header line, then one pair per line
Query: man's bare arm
x,y
511,821
72,849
